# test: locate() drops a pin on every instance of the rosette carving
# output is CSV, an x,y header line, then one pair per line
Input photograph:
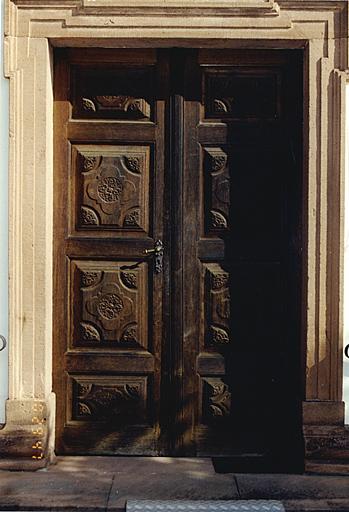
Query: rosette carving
x,y
109,306
109,189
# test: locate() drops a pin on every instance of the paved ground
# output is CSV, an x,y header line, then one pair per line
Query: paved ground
x,y
96,484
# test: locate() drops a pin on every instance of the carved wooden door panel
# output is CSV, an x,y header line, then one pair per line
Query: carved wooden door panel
x,y
240,235
109,209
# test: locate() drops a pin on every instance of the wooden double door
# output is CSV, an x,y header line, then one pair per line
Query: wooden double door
x,y
177,249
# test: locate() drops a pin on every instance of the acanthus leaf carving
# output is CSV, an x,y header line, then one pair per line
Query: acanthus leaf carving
x,y
218,398
124,103
84,389
90,163
130,334
217,190
132,219
218,221
88,105
216,159
90,278
129,279
220,280
89,216
223,307
89,332
224,105
83,409
102,401
217,306
219,335
133,164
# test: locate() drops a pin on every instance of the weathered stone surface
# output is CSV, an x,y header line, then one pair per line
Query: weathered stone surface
x,y
291,487
170,478
101,484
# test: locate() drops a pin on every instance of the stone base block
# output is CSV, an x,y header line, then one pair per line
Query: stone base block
x,y
26,440
326,443
323,412
327,467
326,439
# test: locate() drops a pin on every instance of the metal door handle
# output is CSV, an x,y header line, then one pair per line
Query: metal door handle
x,y
3,342
158,253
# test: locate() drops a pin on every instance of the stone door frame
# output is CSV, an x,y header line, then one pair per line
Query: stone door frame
x,y
32,28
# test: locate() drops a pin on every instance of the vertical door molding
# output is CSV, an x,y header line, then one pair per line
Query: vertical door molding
x,y
323,408
30,410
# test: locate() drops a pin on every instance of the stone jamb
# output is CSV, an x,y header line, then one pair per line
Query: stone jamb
x,y
32,27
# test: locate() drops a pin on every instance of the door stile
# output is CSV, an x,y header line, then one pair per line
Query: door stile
x,y
176,146
161,282
60,299
162,203
191,233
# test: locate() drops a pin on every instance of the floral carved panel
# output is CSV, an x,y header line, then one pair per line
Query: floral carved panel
x,y
217,306
242,94
112,188
110,304
217,189
115,93
216,399
121,400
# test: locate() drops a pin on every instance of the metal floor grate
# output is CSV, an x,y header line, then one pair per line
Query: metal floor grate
x,y
204,506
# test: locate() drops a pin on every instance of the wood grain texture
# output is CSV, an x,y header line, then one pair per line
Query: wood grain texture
x,y
109,327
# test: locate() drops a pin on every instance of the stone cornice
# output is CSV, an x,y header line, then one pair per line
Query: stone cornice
x,y
94,18
313,5
235,7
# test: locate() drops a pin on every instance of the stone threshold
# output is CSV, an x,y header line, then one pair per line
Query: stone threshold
x,y
96,484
